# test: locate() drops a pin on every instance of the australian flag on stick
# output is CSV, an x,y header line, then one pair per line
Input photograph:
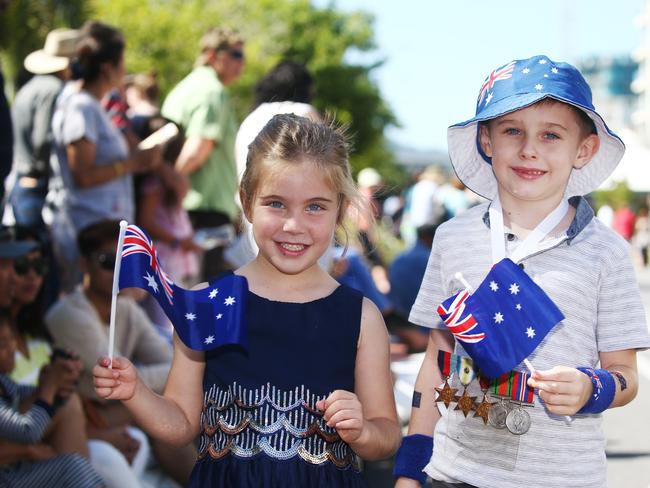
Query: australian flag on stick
x,y
203,319
503,321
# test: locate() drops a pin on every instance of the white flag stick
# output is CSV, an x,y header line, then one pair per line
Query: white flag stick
x,y
531,368
459,276
116,290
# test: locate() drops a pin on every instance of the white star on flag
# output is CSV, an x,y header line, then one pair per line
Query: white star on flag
x,y
209,339
151,282
213,293
530,332
190,316
494,286
219,316
539,86
229,301
545,75
498,317
525,71
554,70
488,98
542,61
518,306
514,289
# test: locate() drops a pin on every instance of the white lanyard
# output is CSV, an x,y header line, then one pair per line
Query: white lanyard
x,y
529,244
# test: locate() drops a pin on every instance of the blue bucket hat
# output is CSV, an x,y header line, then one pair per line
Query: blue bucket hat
x,y
517,85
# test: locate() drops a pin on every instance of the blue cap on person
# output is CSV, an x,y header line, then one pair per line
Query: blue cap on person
x,y
11,248
517,85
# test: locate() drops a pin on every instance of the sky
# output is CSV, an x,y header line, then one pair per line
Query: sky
x,y
438,52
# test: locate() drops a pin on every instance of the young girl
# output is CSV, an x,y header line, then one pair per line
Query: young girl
x,y
313,389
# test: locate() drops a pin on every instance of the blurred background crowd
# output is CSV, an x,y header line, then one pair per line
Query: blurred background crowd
x,y
81,97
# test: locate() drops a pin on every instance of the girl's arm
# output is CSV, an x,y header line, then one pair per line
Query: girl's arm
x,y
368,420
173,417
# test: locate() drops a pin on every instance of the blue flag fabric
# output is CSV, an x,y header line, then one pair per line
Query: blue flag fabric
x,y
503,321
203,319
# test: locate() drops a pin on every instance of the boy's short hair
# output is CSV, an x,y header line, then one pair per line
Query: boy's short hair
x,y
520,84
94,236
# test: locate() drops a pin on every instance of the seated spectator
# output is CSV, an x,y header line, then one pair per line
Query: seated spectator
x,y
405,275
80,322
41,425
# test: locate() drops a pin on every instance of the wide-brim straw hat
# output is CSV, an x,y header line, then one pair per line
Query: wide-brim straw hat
x,y
517,85
55,56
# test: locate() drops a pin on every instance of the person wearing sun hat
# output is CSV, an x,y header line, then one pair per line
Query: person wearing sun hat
x,y
535,146
32,115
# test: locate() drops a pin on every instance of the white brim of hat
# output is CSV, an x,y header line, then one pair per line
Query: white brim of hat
x,y
477,175
41,63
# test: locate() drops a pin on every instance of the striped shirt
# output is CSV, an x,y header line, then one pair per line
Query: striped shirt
x,y
589,275
28,427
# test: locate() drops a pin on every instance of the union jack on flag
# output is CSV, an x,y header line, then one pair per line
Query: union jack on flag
x,y
498,74
203,319
136,241
503,321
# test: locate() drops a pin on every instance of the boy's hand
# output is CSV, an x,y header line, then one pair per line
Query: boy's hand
x,y
343,412
564,390
117,383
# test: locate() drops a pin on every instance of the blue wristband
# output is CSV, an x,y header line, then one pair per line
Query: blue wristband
x,y
603,393
412,456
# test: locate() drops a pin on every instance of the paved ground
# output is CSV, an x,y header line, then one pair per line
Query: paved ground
x,y
628,428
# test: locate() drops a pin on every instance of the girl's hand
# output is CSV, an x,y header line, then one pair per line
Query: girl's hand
x,y
117,383
564,390
343,412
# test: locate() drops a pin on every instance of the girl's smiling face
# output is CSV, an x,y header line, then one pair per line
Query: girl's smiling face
x,y
294,216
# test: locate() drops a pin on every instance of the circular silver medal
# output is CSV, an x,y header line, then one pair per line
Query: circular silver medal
x,y
518,421
497,415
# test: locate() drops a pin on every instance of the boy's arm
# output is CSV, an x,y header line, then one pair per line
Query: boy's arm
x,y
424,411
622,364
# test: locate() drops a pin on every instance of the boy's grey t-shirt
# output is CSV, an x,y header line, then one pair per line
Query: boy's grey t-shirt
x,y
591,279
79,115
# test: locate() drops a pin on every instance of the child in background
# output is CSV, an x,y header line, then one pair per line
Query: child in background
x,y
36,423
314,389
535,146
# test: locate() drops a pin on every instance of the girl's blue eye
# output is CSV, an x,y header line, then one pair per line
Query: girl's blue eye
x,y
512,131
314,207
275,204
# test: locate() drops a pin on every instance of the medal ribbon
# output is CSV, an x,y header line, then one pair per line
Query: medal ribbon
x,y
512,385
529,244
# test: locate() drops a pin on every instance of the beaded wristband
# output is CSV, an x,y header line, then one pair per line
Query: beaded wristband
x,y
412,456
603,392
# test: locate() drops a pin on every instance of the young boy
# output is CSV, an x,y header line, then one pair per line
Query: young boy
x,y
34,450
535,144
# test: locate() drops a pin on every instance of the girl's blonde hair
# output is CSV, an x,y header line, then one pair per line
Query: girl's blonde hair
x,y
290,139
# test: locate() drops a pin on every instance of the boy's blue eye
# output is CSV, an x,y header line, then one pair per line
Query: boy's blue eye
x,y
551,135
511,131
275,204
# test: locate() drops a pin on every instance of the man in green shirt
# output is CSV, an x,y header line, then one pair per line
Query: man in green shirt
x,y
200,104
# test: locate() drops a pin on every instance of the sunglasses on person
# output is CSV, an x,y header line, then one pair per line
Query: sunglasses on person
x,y
106,260
23,264
236,53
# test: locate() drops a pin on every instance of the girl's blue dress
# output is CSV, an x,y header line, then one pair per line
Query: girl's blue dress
x,y
260,426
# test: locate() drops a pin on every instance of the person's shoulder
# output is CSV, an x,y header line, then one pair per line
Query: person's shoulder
x,y
471,218
66,306
600,235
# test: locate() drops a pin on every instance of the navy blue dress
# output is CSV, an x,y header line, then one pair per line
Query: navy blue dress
x,y
260,427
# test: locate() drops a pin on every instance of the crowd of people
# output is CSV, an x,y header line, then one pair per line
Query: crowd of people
x,y
343,275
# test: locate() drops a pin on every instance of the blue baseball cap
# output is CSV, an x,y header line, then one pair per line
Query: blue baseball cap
x,y
11,248
517,85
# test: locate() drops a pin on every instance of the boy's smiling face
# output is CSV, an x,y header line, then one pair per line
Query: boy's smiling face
x,y
534,150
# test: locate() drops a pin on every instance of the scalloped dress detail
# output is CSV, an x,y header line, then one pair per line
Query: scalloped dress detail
x,y
259,424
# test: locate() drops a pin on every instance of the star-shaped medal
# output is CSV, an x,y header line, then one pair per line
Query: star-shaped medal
x,y
483,409
465,403
446,394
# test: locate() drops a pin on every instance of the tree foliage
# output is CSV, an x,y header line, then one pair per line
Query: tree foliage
x,y
163,35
